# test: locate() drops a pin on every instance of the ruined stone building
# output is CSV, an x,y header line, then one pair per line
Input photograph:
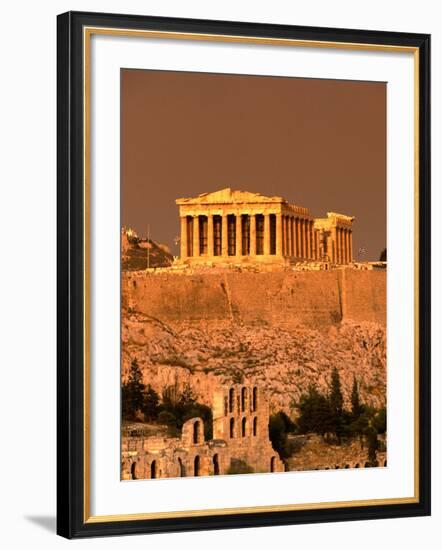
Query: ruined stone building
x,y
237,226
240,433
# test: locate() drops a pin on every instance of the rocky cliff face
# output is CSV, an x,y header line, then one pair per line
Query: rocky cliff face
x,y
282,360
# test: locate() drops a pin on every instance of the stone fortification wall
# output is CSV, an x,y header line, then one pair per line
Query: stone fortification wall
x,y
285,299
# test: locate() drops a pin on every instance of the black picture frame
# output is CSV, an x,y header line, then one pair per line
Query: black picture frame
x,y
71,520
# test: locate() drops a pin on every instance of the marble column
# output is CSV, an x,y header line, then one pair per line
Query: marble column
x,y
238,244
341,245
315,244
183,240
351,245
306,239
346,245
292,233
335,246
210,245
341,231
252,235
338,245
301,238
330,247
224,236
266,234
196,236
298,237
278,234
289,236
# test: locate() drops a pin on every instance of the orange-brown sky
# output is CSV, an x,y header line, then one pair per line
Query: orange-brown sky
x,y
317,143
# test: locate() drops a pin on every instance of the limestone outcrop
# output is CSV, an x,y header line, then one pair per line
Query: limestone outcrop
x,y
283,361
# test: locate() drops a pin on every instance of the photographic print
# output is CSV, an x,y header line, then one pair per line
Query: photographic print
x,y
232,216
253,274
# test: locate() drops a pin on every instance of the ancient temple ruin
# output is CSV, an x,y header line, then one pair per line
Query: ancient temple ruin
x,y
240,434
239,226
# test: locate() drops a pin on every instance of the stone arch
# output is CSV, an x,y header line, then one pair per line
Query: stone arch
x,y
367,465
133,470
153,469
385,462
215,461
255,425
197,432
192,432
231,399
347,466
244,427
243,399
196,466
254,399
272,463
232,428
357,465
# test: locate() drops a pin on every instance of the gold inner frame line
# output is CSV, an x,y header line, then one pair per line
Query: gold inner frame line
x,y
87,34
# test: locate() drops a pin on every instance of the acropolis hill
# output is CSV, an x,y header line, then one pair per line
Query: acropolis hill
x,y
281,314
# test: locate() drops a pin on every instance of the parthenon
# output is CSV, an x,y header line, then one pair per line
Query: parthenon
x,y
236,226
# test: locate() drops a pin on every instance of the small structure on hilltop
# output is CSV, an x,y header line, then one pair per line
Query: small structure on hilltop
x,y
240,436
231,226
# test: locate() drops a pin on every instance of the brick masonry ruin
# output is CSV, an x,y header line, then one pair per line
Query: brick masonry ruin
x,y
240,433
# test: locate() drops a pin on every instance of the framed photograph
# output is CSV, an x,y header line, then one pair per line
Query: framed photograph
x,y
243,274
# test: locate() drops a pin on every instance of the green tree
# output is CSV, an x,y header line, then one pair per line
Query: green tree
x,y
380,421
358,427
290,426
167,418
278,434
150,404
132,394
184,406
356,408
314,413
187,397
372,444
336,402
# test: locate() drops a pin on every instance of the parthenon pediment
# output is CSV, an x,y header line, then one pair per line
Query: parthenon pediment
x,y
229,196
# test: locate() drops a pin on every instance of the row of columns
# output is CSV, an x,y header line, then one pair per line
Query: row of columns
x,y
225,237
293,237
300,239
343,245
